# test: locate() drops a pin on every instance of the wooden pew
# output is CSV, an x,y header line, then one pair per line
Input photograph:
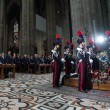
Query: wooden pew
x,y
30,66
50,67
39,66
1,71
2,66
45,66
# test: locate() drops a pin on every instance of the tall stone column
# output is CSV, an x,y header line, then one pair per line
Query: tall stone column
x,y
65,23
88,22
24,38
100,23
86,16
93,6
2,17
108,2
27,41
77,17
32,22
51,24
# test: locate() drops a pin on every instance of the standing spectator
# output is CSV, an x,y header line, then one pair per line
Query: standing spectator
x,y
18,63
36,62
9,58
25,63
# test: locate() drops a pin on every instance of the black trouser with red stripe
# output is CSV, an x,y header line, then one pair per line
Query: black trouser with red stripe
x,y
82,70
56,73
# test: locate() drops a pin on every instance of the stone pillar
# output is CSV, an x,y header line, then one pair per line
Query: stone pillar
x,y
65,23
100,23
27,41
108,2
77,17
86,16
24,38
2,17
51,24
32,22
88,20
104,10
93,6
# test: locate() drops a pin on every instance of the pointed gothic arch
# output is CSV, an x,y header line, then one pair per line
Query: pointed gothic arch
x,y
13,15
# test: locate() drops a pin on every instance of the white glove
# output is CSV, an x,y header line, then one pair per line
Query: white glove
x,y
80,60
52,61
91,61
63,60
72,62
72,74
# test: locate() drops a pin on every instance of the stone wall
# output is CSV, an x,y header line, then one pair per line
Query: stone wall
x,y
39,38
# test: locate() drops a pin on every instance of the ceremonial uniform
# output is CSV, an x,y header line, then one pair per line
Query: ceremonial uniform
x,y
68,66
69,62
89,57
107,32
57,67
73,60
82,69
57,63
82,64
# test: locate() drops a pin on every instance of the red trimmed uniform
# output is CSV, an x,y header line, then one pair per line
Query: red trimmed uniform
x,y
57,67
69,64
82,69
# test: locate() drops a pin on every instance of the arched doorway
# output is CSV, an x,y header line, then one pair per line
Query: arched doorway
x,y
13,28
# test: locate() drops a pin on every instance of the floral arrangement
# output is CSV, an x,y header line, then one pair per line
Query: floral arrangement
x,y
100,76
103,57
104,60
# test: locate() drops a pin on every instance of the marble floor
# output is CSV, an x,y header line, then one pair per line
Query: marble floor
x,y
35,92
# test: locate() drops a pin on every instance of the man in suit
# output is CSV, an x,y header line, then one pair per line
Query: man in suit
x,y
35,62
25,62
3,61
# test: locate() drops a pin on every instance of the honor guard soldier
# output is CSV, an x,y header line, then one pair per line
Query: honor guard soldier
x,y
108,38
90,56
82,63
57,63
67,57
69,63
73,59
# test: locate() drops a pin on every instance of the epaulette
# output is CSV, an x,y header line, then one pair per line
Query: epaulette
x,y
79,49
65,53
88,52
53,51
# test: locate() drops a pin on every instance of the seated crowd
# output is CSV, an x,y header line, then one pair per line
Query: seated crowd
x,y
22,62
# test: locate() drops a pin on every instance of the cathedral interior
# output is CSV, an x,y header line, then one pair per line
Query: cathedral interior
x,y
29,27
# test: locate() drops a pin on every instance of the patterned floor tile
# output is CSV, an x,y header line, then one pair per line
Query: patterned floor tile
x,y
35,92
